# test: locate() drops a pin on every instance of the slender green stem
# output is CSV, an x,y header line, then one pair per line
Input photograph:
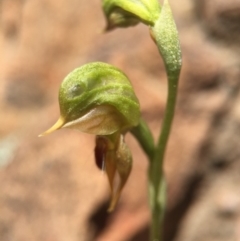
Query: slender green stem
x,y
165,33
144,136
157,185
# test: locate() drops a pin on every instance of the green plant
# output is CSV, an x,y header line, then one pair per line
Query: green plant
x,y
97,98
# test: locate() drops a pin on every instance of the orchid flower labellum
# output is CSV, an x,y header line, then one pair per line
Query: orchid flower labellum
x,y
98,99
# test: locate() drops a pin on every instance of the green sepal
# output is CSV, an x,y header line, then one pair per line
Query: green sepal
x,y
125,13
99,99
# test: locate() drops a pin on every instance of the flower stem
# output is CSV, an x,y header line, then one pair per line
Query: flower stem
x,y
157,184
144,136
166,36
164,33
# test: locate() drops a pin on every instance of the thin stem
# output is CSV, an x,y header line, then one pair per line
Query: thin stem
x,y
157,185
166,36
163,31
144,136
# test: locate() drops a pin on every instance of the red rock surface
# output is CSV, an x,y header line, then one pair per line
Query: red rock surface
x,y
50,187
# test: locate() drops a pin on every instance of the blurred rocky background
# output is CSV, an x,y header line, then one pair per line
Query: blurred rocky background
x,y
51,189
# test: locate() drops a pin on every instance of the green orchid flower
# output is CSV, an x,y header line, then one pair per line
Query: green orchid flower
x,y
98,99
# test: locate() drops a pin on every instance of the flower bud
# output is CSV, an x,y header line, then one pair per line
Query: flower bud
x,y
97,98
125,13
